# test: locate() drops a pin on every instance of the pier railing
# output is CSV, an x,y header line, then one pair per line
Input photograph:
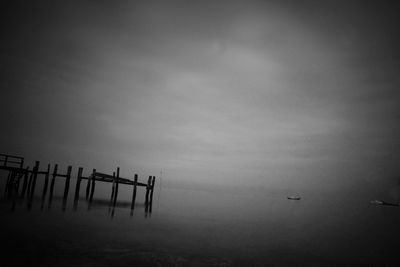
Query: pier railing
x,y
11,161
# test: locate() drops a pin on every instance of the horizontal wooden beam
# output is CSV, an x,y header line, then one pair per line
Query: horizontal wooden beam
x,y
11,156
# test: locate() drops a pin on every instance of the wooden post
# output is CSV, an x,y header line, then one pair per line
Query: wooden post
x,y
93,185
8,182
147,191
88,187
46,182
116,188
67,179
78,183
152,188
77,187
112,189
20,174
53,179
21,165
25,184
134,191
35,171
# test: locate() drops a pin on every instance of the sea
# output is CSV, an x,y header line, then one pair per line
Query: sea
x,y
197,226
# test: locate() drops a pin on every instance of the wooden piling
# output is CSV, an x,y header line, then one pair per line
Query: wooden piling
x,y
67,181
20,174
112,189
88,187
53,179
78,183
46,181
152,188
10,184
147,191
8,181
93,185
116,188
25,184
134,191
35,173
77,187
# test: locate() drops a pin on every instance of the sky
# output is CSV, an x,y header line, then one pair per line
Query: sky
x,y
296,95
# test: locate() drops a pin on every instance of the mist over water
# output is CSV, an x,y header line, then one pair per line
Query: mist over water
x,y
207,226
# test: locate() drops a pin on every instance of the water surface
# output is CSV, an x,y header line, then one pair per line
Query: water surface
x,y
204,227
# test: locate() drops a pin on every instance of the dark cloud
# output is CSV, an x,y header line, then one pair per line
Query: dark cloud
x,y
205,89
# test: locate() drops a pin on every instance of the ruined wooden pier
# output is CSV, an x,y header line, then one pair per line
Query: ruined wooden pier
x,y
17,172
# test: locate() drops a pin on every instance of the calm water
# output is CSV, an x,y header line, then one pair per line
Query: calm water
x,y
201,228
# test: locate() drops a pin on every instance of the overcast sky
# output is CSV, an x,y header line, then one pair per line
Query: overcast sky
x,y
274,93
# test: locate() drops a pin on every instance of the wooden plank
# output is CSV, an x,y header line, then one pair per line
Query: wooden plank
x,y
11,156
110,178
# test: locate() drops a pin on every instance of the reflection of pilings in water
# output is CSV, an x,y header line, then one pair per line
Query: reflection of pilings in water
x,y
64,204
112,212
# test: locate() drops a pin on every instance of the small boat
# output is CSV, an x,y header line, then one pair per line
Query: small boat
x,y
294,198
381,202
376,202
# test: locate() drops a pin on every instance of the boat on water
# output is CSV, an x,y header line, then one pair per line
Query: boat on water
x,y
384,203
